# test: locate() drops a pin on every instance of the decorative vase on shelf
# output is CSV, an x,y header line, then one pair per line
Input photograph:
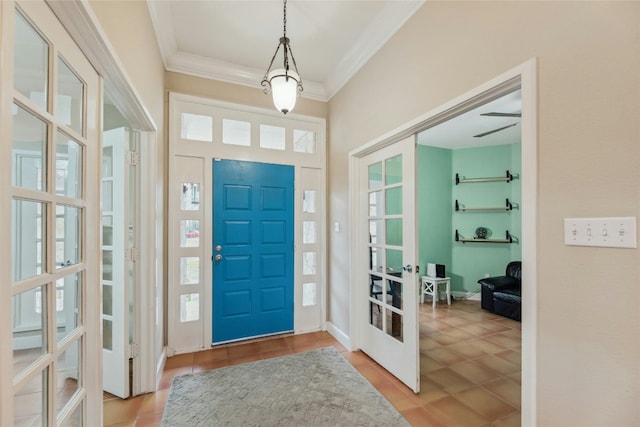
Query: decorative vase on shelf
x,y
481,233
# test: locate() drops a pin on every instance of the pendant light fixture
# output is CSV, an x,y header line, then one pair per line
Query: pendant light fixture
x,y
283,83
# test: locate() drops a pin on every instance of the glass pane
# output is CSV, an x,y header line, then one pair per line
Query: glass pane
x,y
190,196
394,325
375,231
27,231
375,286
394,261
189,270
29,325
309,294
309,201
375,176
393,170
375,316
70,97
304,141
107,195
69,380
375,203
393,201
308,263
272,137
67,236
197,127
107,334
68,167
189,233
31,62
395,290
189,307
235,132
107,162
107,265
309,234
29,151
68,291
107,231
394,232
30,402
107,300
376,260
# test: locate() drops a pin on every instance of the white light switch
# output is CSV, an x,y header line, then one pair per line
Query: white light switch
x,y
604,232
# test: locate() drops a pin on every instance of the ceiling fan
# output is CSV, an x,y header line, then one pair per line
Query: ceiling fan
x,y
494,114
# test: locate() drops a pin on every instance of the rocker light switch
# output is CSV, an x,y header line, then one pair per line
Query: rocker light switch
x,y
604,232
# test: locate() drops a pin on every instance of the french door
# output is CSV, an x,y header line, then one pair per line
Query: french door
x,y
388,292
50,120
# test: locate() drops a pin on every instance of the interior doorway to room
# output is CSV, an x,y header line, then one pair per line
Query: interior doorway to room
x,y
253,241
521,78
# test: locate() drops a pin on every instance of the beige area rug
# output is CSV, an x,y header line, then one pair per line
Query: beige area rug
x,y
316,388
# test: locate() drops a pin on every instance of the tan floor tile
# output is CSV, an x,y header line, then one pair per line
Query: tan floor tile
x,y
179,361
122,411
245,359
451,412
506,389
488,347
154,403
497,364
427,364
420,417
373,374
468,349
152,420
243,350
356,358
512,356
502,340
207,366
277,353
510,421
473,372
430,391
272,345
210,355
444,356
450,381
485,404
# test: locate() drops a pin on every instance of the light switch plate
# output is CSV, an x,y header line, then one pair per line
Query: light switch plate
x,y
617,232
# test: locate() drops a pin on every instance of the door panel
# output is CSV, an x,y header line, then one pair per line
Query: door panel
x,y
388,293
253,234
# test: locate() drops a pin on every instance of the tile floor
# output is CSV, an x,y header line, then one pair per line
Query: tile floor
x,y
470,371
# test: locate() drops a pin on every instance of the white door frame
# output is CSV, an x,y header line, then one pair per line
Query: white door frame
x,y
523,76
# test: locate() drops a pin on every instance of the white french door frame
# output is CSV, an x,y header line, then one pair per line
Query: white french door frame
x,y
524,76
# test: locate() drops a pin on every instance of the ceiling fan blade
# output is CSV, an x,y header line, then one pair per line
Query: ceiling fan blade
x,y
502,114
480,135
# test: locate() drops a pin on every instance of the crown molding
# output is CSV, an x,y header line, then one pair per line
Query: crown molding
x,y
209,68
160,13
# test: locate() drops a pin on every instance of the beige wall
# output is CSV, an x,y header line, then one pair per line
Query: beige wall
x,y
588,354
238,94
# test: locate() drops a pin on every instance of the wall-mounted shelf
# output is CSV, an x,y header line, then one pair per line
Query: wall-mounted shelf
x,y
507,239
461,208
507,178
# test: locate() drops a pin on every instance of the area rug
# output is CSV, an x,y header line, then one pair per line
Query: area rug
x,y
316,388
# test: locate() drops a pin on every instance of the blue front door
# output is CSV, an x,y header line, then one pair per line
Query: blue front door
x,y
252,249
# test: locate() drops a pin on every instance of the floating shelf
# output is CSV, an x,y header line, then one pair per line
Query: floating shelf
x,y
507,207
508,239
507,178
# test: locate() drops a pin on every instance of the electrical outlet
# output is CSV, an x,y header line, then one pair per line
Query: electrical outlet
x,y
605,232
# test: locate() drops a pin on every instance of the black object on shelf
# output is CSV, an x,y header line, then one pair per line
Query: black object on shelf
x,y
508,239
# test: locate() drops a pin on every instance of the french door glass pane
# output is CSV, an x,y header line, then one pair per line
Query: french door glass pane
x,y
189,270
394,324
393,170
375,231
394,232
107,334
70,97
309,235
68,229
308,263
27,245
69,378
375,176
68,167
236,132
394,261
30,318
75,419
309,201
189,307
393,201
30,403
375,315
31,62
68,290
375,203
29,151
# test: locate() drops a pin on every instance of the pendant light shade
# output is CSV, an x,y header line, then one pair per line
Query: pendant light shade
x,y
283,83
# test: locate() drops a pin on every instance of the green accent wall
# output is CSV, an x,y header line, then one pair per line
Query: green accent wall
x,y
438,220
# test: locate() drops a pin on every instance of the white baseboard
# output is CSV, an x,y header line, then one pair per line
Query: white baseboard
x,y
472,296
339,335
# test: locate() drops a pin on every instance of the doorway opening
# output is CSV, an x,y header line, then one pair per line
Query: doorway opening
x,y
521,78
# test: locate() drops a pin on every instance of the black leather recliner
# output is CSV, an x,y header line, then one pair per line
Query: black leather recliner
x,y
502,294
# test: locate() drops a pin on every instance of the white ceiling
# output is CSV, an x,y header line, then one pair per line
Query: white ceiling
x,y
234,40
